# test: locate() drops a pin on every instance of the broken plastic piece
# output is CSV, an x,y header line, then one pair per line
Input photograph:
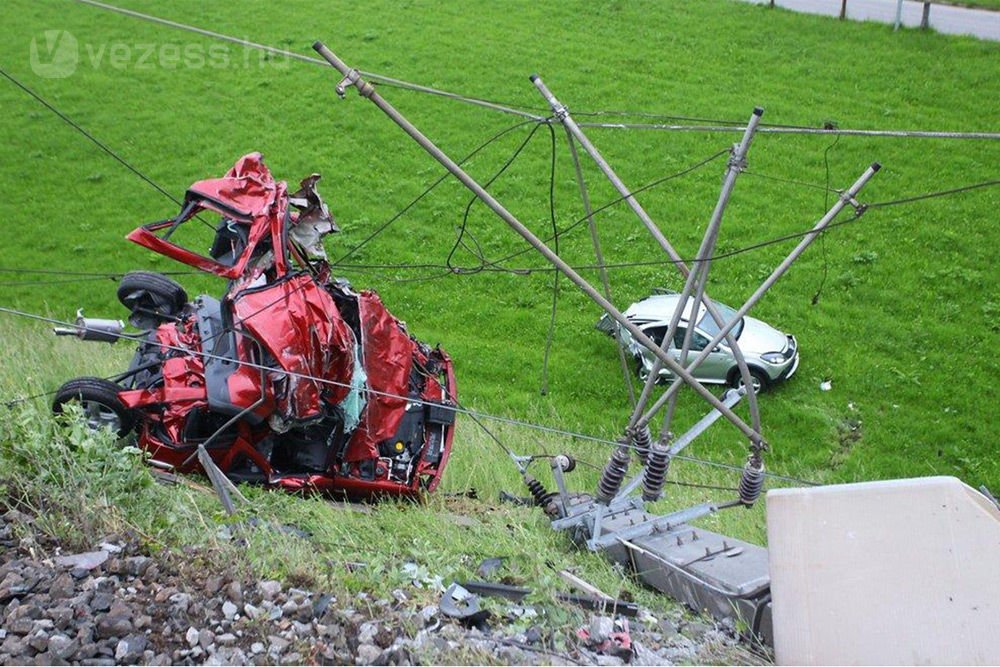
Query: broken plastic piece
x,y
460,604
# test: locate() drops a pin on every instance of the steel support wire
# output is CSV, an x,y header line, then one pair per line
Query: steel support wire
x,y
695,283
352,77
845,198
562,114
495,106
598,255
457,409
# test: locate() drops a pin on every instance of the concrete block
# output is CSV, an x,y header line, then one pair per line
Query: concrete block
x,y
895,572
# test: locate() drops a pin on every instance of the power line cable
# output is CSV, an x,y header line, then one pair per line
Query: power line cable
x,y
92,274
537,114
97,142
490,266
720,256
419,401
618,200
932,195
386,80
472,200
550,336
826,207
792,129
381,228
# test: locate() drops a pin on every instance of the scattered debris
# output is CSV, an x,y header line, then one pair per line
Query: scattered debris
x,y
582,585
459,603
518,593
608,636
826,385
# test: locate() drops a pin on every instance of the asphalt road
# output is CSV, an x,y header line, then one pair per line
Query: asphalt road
x,y
980,23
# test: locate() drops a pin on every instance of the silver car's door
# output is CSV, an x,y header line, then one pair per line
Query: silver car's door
x,y
655,332
715,367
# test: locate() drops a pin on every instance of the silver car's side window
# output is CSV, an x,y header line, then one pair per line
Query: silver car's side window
x,y
698,342
656,334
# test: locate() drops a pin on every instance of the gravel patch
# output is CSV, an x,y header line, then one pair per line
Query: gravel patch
x,y
115,605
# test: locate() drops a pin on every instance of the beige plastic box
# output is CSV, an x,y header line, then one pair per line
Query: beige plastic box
x,y
896,572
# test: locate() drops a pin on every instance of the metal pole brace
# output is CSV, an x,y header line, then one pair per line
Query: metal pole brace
x,y
351,79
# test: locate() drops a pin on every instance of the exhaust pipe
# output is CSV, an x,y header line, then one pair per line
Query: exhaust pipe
x,y
93,329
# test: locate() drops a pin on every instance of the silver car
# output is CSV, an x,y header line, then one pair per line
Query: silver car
x,y
771,354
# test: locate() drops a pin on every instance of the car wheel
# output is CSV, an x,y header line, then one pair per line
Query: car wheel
x,y
101,406
761,382
152,298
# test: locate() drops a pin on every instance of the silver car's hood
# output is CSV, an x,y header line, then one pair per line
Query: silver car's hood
x,y
758,337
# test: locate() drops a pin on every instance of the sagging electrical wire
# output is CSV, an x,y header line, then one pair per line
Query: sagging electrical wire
x,y
932,195
446,271
536,114
472,200
385,225
555,275
514,109
796,129
416,400
615,201
826,207
91,274
527,270
97,142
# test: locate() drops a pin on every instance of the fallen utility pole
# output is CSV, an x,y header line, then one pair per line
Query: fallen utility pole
x,y
352,77
706,570
562,114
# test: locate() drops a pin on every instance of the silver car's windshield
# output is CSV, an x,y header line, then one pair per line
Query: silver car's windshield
x,y
708,325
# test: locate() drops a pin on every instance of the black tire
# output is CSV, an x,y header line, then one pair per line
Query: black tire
x,y
760,379
100,402
152,298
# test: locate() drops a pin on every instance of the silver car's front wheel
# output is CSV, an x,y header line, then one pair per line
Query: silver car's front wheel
x,y
759,379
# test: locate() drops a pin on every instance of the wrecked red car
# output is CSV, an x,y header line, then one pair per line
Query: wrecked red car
x,y
291,379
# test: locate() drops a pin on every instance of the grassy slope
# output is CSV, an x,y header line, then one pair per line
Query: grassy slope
x,y
904,326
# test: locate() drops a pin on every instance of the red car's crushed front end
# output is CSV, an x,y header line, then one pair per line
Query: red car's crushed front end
x,y
291,379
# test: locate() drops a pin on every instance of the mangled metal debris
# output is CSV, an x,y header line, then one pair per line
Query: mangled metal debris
x,y
292,378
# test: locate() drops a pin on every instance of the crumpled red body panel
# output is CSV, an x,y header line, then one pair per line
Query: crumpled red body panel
x,y
247,192
247,188
183,386
281,417
388,358
299,324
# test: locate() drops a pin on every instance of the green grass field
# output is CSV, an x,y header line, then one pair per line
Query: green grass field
x,y
906,325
